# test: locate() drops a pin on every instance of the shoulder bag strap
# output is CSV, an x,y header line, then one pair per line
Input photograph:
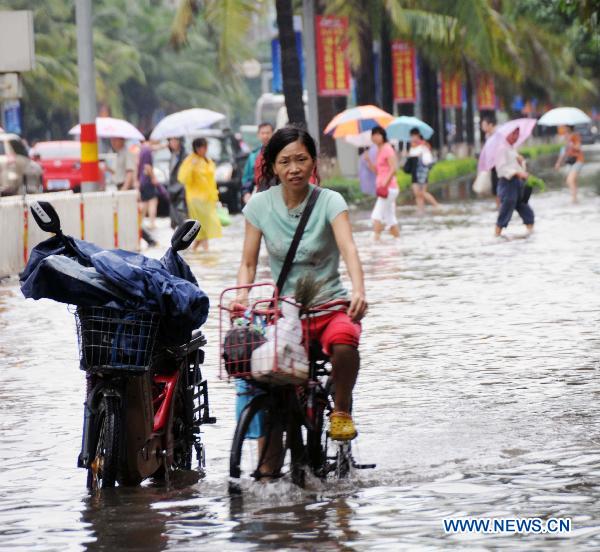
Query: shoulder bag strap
x,y
289,258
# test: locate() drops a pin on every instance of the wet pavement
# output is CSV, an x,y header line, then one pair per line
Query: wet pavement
x,y
479,396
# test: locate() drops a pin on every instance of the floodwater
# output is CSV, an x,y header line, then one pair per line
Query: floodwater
x,y
479,396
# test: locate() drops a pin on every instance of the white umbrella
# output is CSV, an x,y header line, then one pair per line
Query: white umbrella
x,y
564,116
108,127
185,122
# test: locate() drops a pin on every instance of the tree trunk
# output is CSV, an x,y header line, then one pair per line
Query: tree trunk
x,y
470,115
406,109
460,128
365,72
329,107
429,99
387,83
290,65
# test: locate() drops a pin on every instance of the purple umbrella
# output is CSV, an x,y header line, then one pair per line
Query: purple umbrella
x,y
496,143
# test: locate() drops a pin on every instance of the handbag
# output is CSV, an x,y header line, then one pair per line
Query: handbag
x,y
382,190
223,214
483,183
571,160
409,165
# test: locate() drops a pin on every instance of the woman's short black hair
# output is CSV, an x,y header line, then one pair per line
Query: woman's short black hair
x,y
280,139
416,131
381,131
199,143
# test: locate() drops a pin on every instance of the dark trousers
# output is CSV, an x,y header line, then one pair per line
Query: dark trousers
x,y
511,197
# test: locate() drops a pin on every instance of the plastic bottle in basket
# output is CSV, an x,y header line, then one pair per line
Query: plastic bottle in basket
x,y
282,359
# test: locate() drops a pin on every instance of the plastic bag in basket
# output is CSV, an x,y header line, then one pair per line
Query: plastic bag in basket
x,y
282,359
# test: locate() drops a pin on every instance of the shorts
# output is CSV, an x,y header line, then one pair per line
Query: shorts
x,y
575,167
335,328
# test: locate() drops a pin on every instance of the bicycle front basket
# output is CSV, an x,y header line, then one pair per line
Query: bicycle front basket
x,y
111,339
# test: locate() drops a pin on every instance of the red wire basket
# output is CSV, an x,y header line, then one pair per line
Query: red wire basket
x,y
266,341
259,342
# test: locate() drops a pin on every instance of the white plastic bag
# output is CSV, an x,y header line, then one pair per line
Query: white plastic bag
x,y
483,183
282,359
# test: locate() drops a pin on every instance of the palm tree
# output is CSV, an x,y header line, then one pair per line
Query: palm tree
x,y
231,20
290,64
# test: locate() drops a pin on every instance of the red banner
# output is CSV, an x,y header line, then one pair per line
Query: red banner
x,y
403,67
333,68
486,94
451,92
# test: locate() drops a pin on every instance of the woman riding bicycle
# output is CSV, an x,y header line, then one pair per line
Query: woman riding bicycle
x,y
291,158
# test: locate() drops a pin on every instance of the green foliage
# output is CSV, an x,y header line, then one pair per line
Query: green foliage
x,y
139,74
531,152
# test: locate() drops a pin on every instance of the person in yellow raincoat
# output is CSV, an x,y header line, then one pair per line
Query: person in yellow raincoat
x,y
197,174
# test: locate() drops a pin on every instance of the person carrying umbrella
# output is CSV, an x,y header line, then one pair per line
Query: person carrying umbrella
x,y
511,178
125,165
572,156
197,174
384,212
177,205
420,160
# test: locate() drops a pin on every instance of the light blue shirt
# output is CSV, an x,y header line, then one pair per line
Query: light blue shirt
x,y
317,252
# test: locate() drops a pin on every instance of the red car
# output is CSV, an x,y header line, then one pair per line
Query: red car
x,y
61,163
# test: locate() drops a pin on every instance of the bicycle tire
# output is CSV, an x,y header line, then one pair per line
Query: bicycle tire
x,y
108,438
241,429
292,442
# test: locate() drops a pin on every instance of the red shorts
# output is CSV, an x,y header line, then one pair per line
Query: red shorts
x,y
335,328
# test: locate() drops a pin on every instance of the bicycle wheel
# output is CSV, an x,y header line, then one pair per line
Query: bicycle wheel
x,y
104,468
182,431
248,462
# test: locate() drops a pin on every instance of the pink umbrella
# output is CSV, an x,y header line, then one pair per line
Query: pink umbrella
x,y
496,143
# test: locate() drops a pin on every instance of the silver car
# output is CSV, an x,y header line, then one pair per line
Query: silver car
x,y
18,173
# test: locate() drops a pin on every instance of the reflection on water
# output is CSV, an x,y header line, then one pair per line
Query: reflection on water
x,y
478,396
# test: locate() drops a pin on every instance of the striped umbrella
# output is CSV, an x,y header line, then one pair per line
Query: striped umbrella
x,y
356,120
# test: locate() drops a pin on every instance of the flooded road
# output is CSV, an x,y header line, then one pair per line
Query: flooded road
x,y
479,395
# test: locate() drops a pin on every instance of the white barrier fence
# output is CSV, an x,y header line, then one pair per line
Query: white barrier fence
x,y
108,219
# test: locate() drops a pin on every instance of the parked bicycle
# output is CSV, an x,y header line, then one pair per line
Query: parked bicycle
x,y
294,412
145,402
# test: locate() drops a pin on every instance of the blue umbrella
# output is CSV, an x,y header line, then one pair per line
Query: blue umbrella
x,y
400,128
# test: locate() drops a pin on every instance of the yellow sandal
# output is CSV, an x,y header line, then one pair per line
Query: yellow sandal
x,y
341,426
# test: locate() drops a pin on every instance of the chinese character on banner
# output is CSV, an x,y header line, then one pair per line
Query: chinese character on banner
x,y
333,68
403,67
486,94
451,91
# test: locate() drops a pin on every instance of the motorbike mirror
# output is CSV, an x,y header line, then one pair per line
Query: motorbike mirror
x,y
46,216
185,234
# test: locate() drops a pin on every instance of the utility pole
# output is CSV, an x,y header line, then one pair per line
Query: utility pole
x,y
308,10
87,96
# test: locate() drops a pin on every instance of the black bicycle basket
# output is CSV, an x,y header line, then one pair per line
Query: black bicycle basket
x,y
111,339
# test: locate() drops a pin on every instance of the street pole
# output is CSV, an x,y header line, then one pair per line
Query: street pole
x,y
87,96
308,10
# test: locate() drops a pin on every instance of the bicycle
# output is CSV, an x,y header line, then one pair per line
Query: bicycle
x,y
296,411
145,402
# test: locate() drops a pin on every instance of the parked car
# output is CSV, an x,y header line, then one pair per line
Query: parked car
x,y
18,173
224,149
61,163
